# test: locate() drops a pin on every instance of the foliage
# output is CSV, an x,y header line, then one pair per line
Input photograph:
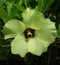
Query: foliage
x,y
59,31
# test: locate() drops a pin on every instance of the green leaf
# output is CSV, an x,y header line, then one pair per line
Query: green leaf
x,y
1,2
58,31
12,28
21,2
40,5
14,11
3,14
19,46
9,8
47,4
43,5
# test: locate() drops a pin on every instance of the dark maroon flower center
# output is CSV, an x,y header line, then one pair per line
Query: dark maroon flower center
x,y
29,33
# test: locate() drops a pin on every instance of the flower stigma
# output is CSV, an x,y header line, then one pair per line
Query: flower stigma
x,y
29,33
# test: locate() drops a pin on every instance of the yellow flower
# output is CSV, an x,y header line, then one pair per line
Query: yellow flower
x,y
33,35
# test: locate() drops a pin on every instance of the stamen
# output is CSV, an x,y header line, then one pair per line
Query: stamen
x,y
29,33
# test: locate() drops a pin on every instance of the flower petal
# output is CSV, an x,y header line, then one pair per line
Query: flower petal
x,y
27,15
12,28
19,46
32,18
36,47
36,20
47,32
